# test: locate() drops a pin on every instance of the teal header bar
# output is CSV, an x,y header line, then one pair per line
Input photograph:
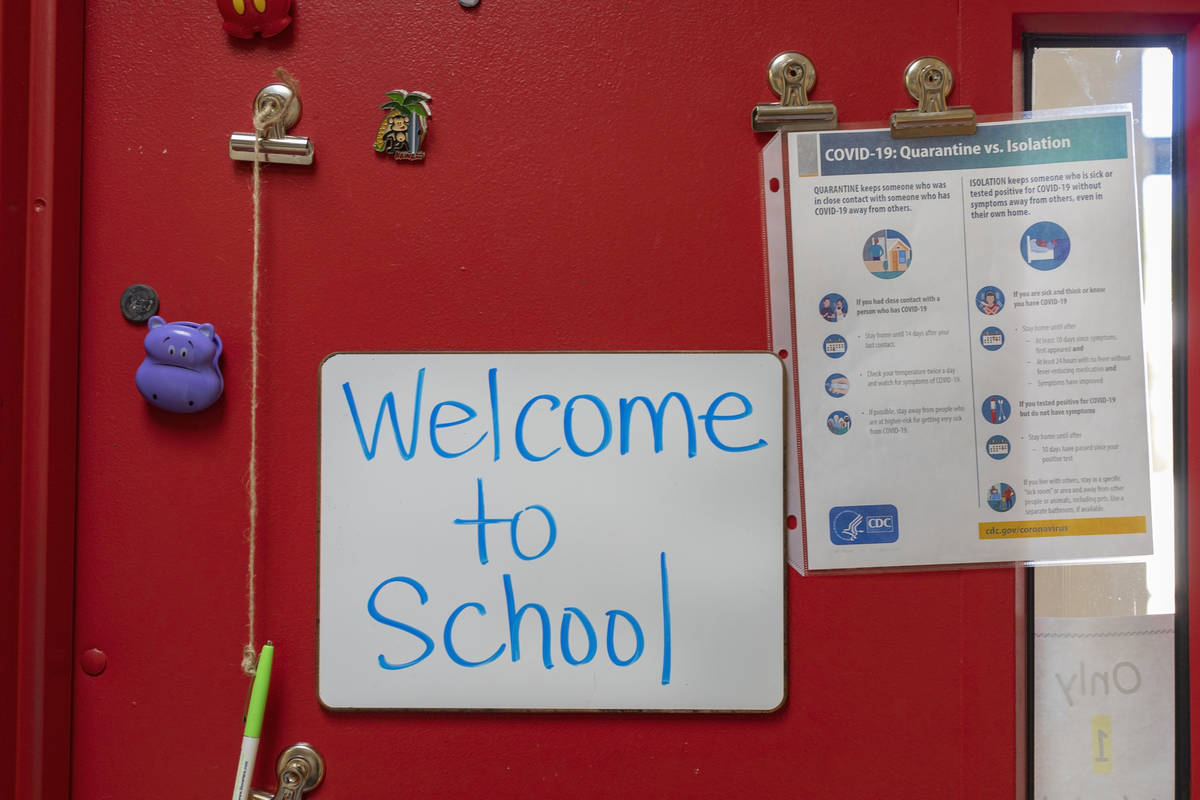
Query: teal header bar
x,y
1003,144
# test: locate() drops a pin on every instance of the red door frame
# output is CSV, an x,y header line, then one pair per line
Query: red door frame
x,y
41,52
14,130
1188,26
48,385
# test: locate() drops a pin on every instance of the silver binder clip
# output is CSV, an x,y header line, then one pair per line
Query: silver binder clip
x,y
929,81
792,75
274,146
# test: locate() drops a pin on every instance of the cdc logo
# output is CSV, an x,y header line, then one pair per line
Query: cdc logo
x,y
878,524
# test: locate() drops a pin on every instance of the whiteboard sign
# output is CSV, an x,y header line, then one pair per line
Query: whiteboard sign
x,y
552,531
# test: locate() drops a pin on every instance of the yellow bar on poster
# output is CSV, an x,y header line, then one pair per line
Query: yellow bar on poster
x,y
1042,528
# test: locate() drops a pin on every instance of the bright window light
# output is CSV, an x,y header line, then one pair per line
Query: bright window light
x,y
1156,92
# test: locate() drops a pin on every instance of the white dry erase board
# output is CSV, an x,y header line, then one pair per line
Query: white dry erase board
x,y
552,531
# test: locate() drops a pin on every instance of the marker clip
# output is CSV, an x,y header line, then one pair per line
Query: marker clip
x,y
300,769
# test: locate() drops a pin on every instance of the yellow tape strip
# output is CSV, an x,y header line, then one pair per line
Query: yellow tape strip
x,y
1102,755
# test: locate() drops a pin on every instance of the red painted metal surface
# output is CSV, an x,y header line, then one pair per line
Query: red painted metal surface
x,y
591,184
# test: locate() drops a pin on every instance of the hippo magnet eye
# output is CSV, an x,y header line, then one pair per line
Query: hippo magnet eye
x,y
183,353
239,6
171,350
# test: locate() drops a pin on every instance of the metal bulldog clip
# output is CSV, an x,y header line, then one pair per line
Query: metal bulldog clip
x,y
792,75
278,104
929,81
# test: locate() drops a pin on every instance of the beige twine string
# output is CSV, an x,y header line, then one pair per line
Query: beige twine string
x,y
263,119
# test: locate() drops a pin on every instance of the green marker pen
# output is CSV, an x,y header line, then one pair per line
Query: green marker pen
x,y
254,721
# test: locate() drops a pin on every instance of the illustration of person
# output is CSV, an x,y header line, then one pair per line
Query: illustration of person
x,y
989,305
993,407
1008,496
993,495
827,310
875,252
840,308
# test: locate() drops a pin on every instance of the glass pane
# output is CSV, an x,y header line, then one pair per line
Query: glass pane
x,y
1077,76
1104,633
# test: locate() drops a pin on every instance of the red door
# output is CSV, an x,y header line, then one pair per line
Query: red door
x,y
591,183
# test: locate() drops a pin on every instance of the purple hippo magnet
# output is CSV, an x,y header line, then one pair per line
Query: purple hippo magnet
x,y
180,372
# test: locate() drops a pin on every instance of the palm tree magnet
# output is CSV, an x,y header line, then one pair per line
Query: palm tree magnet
x,y
404,126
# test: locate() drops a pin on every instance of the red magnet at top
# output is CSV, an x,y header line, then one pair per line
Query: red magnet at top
x,y
244,18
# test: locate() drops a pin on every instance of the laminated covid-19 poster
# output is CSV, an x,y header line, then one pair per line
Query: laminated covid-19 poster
x,y
966,355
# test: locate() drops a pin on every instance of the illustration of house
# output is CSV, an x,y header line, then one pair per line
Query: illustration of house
x,y
899,255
